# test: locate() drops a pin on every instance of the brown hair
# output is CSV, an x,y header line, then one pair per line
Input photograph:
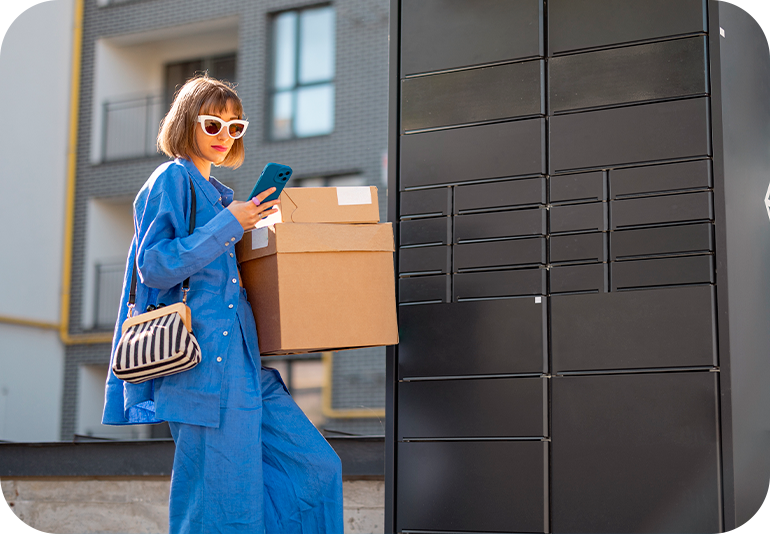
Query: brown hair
x,y
176,137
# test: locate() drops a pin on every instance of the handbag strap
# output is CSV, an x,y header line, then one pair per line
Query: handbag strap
x,y
186,283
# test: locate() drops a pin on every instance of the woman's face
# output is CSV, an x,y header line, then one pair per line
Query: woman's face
x,y
214,148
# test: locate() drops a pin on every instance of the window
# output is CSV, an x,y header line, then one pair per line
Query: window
x,y
302,82
219,67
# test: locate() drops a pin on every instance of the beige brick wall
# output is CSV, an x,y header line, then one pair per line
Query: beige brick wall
x,y
140,505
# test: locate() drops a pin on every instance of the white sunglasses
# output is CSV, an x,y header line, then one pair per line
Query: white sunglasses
x,y
213,125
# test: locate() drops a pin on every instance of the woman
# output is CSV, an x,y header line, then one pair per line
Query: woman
x,y
247,459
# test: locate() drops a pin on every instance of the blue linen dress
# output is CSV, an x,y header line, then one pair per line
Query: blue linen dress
x,y
247,459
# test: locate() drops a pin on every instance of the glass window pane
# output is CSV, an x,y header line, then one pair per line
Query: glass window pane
x,y
315,111
347,181
282,115
316,45
284,46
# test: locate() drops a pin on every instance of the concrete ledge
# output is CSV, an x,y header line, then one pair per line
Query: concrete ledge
x,y
360,456
139,505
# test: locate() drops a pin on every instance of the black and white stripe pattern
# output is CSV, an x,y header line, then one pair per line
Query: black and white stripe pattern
x,y
155,348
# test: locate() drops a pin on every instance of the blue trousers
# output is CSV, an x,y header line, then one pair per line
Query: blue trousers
x,y
266,469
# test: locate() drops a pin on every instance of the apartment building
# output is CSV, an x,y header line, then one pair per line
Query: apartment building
x,y
36,93
313,80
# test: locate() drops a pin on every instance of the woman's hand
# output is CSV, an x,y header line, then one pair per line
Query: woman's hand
x,y
250,212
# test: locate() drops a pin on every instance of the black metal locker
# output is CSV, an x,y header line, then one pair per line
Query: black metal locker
x,y
583,250
636,453
472,486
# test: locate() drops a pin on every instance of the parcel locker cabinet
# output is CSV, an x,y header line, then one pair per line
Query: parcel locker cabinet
x,y
475,153
630,135
440,35
474,486
585,24
627,75
504,407
654,329
476,338
472,96
647,319
636,453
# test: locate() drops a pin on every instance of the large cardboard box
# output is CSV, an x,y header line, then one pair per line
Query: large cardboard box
x,y
329,205
316,287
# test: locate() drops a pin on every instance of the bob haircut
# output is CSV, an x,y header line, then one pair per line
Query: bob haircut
x,y
201,94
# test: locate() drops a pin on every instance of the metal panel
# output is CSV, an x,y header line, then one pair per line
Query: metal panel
x,y
473,153
431,202
578,247
578,278
659,210
425,289
446,34
660,178
625,75
499,254
573,187
500,195
742,173
471,96
578,24
635,453
486,486
500,224
636,134
426,231
666,240
578,218
663,272
481,408
498,284
635,329
433,260
472,338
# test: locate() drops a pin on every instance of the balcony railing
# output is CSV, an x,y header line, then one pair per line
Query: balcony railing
x,y
109,283
130,128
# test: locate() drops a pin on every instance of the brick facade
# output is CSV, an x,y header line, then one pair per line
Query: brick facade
x,y
356,146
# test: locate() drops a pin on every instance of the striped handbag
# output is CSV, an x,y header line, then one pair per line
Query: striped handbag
x,y
159,342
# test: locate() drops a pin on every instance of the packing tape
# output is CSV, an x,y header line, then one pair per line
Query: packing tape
x,y
259,238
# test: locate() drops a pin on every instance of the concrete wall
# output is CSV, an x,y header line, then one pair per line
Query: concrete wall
x,y
35,90
140,505
31,370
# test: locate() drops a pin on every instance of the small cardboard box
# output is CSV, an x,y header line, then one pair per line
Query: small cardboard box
x,y
330,205
316,287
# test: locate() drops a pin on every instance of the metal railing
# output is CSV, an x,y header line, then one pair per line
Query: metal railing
x,y
130,127
108,286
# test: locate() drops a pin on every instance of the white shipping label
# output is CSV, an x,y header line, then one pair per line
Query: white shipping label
x,y
259,238
352,196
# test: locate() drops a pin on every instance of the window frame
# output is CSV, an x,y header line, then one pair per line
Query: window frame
x,y
271,91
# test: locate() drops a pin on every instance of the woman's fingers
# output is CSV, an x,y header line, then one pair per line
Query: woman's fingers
x,y
264,194
267,205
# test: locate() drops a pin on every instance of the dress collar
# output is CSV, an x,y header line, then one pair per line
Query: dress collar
x,y
214,190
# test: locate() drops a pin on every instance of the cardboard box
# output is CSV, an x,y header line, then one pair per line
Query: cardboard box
x,y
317,287
330,205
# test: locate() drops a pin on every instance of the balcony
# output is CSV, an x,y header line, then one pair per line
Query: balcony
x,y
130,127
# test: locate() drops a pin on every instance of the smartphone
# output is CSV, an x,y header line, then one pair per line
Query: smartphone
x,y
273,175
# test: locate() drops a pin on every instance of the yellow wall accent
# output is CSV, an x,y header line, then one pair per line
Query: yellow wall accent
x,y
69,215
28,322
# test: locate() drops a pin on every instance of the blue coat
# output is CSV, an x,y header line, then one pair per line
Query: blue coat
x,y
166,255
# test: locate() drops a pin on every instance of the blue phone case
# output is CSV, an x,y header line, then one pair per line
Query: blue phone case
x,y
273,175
